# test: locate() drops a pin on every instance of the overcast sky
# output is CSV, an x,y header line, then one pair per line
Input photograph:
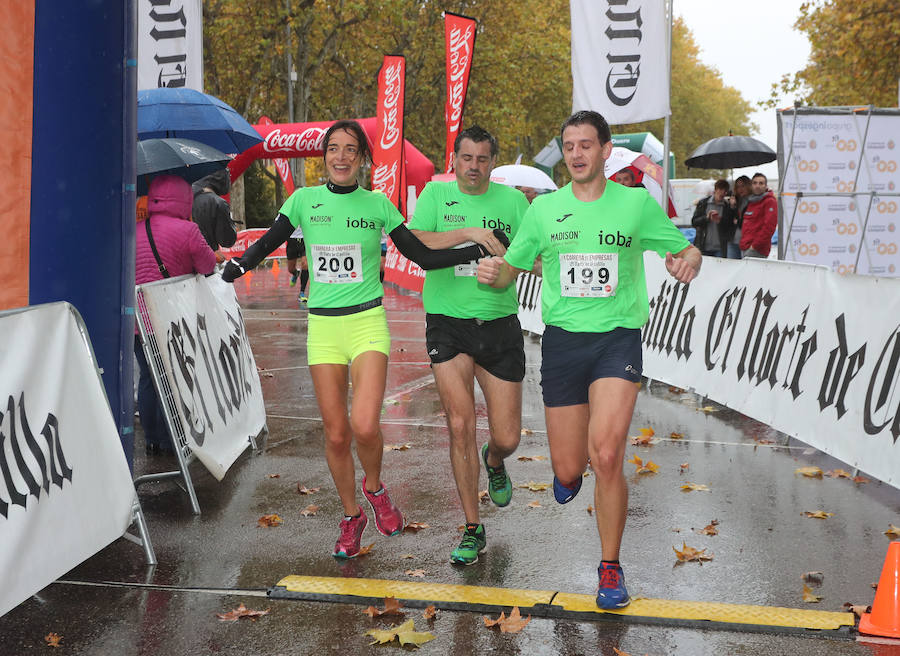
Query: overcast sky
x,y
752,44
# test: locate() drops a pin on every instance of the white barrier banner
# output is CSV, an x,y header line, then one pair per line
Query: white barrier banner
x,y
619,59
813,354
206,355
170,44
65,488
528,288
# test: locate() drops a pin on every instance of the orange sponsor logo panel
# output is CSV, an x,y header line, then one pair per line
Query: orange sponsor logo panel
x,y
886,166
886,207
811,207
846,144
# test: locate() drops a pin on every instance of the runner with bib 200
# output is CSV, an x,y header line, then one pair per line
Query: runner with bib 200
x,y
472,330
591,236
348,332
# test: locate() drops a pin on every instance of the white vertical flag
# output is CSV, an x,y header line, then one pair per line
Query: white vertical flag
x,y
170,44
619,59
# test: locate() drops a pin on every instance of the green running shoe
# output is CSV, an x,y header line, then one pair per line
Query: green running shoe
x,y
499,485
472,543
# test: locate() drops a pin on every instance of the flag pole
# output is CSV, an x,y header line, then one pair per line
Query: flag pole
x,y
665,162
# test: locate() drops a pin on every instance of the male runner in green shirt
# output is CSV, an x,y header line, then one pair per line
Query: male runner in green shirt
x,y
472,330
591,236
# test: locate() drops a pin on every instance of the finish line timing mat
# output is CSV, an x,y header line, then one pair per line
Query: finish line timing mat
x,y
561,605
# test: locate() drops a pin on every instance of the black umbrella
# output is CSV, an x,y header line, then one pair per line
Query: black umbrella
x,y
185,158
730,153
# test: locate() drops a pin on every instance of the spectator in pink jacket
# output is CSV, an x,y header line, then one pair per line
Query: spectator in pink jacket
x,y
182,249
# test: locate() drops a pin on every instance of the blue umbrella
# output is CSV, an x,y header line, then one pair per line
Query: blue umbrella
x,y
189,114
185,158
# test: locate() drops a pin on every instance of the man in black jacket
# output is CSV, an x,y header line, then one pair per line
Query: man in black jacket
x,y
211,213
714,221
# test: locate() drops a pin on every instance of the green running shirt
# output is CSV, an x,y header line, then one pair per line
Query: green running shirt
x,y
342,234
455,292
593,255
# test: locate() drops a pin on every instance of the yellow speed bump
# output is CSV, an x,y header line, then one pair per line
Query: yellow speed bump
x,y
561,605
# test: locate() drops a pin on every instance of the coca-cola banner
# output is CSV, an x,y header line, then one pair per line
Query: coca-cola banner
x,y
65,488
402,271
387,150
170,44
245,239
281,164
619,59
459,41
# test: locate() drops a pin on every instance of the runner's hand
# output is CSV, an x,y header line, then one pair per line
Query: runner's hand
x,y
232,271
486,237
489,269
677,267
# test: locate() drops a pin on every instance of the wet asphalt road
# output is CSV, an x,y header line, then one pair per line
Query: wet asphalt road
x,y
212,562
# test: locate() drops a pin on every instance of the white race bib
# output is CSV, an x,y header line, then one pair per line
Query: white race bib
x,y
336,263
468,269
588,275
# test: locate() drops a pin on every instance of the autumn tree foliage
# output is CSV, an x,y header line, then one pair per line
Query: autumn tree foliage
x,y
854,54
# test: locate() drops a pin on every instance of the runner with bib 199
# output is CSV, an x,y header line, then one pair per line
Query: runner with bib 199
x,y
591,236
348,338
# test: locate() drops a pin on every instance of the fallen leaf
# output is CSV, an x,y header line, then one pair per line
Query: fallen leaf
x,y
391,607
860,479
484,497
407,556
302,489
809,472
535,504
461,528
710,529
527,431
405,634
838,473
415,526
642,440
813,578
274,476
676,436
398,447
695,487
239,612
707,409
684,467
430,612
512,624
420,573
366,550
674,390
893,532
641,468
267,374
808,595
534,487
531,458
269,520
590,509
857,609
648,432
818,514
688,554
52,639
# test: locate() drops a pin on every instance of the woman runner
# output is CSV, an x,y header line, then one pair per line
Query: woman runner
x,y
348,332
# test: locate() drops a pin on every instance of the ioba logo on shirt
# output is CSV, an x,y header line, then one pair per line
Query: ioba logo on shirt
x,y
454,218
320,218
618,239
365,224
496,224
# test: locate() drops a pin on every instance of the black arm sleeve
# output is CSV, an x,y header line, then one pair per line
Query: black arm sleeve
x,y
274,237
412,248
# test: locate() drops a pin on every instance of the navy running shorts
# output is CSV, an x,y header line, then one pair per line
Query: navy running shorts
x,y
570,362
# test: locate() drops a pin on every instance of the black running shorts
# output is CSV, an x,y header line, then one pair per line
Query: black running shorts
x,y
496,346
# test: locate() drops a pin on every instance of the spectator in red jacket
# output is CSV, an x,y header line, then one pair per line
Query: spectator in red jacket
x,y
760,219
182,249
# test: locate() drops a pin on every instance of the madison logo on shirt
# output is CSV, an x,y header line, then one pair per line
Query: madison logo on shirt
x,y
565,235
320,218
454,218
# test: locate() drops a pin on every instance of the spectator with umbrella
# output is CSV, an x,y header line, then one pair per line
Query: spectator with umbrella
x,y
760,219
711,213
211,212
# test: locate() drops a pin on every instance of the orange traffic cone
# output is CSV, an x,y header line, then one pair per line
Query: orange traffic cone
x,y
275,269
884,620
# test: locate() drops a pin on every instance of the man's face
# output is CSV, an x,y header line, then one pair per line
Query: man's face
x,y
472,164
718,194
758,185
625,177
584,154
530,192
741,188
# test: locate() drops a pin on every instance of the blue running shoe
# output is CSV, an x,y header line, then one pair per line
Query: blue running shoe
x,y
611,593
565,494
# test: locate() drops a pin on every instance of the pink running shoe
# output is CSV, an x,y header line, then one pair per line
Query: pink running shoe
x,y
352,529
388,518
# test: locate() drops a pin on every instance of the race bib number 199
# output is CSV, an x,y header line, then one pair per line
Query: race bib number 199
x,y
337,263
588,275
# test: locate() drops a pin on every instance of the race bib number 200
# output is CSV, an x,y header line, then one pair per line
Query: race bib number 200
x,y
588,275
337,263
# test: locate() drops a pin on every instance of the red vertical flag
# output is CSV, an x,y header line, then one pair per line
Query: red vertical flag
x,y
387,153
459,41
281,164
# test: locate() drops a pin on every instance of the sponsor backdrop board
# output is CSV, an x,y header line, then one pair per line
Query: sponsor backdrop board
x,y
65,488
840,201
